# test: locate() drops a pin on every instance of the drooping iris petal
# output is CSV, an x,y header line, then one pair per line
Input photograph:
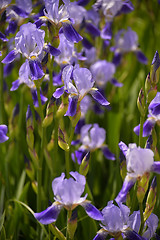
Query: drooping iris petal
x,y
117,59
70,33
147,127
107,153
127,185
20,11
132,235
79,125
49,215
15,85
36,70
156,167
3,132
3,37
99,97
59,92
152,223
127,7
12,27
53,51
92,211
141,57
92,29
72,106
10,57
116,83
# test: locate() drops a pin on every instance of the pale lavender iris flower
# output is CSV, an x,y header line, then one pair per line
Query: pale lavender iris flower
x,y
93,137
115,222
77,83
67,194
103,72
29,42
139,161
60,16
150,226
127,41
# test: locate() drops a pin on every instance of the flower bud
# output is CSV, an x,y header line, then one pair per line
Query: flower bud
x,y
155,69
49,113
62,140
84,167
141,102
142,186
151,199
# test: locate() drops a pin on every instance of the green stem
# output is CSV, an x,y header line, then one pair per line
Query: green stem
x,y
51,60
142,218
141,131
1,96
69,214
134,197
67,153
39,170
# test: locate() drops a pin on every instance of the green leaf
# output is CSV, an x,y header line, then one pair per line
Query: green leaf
x,y
2,220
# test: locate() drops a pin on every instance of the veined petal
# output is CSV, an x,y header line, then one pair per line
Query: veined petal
x,y
72,106
107,153
10,57
127,7
132,235
92,211
156,167
49,215
123,147
58,93
36,70
106,32
12,27
127,185
53,51
101,235
99,97
70,33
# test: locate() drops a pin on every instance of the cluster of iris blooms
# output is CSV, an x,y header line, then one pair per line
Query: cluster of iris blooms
x,y
53,53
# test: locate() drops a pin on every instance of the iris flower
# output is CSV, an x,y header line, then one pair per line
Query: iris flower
x,y
67,194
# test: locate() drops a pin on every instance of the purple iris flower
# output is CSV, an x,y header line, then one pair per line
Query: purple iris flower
x,y
3,132
127,41
111,8
77,83
60,15
4,3
93,137
103,72
139,161
153,117
150,226
67,194
116,222
29,41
